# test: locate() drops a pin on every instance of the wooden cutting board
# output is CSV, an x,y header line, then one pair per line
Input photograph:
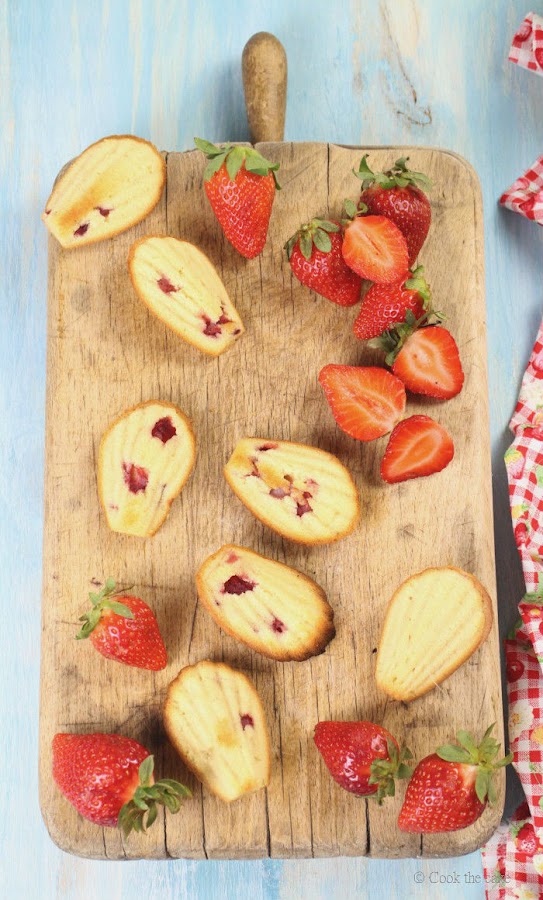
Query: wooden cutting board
x,y
107,352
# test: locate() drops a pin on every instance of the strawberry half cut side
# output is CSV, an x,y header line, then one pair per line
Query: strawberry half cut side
x,y
450,789
428,362
366,401
374,247
417,447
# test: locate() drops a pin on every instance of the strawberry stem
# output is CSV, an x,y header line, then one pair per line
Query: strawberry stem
x,y
100,602
315,232
398,176
141,810
383,772
234,156
467,752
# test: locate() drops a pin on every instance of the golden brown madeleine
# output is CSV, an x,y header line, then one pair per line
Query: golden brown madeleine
x,y
215,720
272,608
434,622
180,285
145,458
303,493
111,186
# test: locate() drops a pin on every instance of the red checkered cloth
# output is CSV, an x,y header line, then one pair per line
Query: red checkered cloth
x,y
525,195
527,46
513,858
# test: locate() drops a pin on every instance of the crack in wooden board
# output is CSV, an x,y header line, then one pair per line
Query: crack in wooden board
x,y
106,352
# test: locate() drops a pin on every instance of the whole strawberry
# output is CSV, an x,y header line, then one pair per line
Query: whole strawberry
x,y
109,779
315,257
122,627
397,195
362,757
450,789
386,305
240,186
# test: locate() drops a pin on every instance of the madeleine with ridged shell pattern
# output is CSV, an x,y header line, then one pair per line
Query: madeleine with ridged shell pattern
x,y
145,458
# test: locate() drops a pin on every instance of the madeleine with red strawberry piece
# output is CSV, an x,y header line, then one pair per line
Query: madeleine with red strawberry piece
x,y
109,779
302,492
315,257
373,246
450,789
215,719
240,186
107,189
122,627
399,194
362,757
417,447
366,401
386,305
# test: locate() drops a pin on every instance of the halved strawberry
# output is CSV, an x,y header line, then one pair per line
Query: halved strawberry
x,y
429,363
374,247
315,257
418,446
366,401
386,305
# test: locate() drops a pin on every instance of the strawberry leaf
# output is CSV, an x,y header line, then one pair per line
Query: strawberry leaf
x,y
306,245
119,608
326,225
234,162
207,147
322,241
453,753
146,769
213,166
147,797
350,208
482,782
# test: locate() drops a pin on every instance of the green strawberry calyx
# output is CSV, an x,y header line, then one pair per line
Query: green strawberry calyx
x,y
316,232
398,176
141,810
483,756
383,772
353,210
234,156
105,599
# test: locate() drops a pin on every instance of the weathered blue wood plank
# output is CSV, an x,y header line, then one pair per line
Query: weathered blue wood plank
x,y
389,72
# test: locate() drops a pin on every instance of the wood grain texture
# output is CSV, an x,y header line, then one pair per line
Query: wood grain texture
x,y
372,73
106,352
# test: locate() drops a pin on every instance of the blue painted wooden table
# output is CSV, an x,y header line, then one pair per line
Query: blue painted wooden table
x,y
396,72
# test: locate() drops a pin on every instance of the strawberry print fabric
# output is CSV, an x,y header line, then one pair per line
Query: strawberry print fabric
x,y
527,47
513,858
525,195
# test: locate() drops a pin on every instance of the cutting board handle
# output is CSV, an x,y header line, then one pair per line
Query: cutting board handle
x,y
264,69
